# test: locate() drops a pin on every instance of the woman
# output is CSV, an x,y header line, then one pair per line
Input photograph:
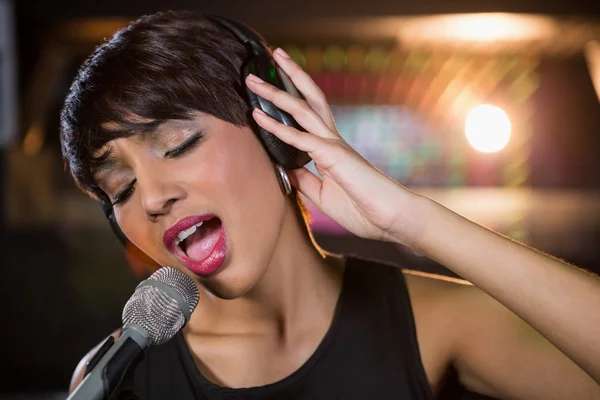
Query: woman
x,y
156,124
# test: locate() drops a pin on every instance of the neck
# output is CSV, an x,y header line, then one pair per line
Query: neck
x,y
300,288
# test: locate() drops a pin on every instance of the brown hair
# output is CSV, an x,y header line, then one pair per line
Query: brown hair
x,y
161,67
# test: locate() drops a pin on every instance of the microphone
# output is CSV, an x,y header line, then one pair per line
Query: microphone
x,y
160,306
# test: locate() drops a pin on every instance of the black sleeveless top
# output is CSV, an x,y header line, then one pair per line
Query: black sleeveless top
x,y
369,352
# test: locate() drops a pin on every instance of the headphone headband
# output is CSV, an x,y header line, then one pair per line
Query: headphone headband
x,y
244,34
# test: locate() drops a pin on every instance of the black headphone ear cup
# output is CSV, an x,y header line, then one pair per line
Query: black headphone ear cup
x,y
253,99
285,155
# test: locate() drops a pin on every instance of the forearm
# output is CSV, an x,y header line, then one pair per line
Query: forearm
x,y
558,300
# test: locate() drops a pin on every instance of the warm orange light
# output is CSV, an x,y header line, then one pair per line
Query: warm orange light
x,y
487,128
485,27
34,140
592,55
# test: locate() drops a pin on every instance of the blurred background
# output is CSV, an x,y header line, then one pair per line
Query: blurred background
x,y
489,107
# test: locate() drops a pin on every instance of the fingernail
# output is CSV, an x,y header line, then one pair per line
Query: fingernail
x,y
255,78
282,53
260,112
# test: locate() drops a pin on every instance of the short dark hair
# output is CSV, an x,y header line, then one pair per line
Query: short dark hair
x,y
162,66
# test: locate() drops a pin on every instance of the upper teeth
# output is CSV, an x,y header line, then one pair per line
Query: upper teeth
x,y
186,233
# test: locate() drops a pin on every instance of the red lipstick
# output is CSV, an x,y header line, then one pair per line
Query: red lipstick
x,y
215,256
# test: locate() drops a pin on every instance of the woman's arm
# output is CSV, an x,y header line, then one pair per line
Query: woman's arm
x,y
494,351
560,301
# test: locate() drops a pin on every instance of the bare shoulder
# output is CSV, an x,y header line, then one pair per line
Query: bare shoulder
x,y
80,370
446,306
430,292
453,302
435,306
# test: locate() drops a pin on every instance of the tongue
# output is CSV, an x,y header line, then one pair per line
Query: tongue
x,y
200,244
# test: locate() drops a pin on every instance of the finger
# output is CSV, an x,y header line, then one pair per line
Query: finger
x,y
307,183
301,140
324,152
299,109
304,83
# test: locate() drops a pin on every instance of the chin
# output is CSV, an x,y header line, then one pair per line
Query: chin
x,y
232,283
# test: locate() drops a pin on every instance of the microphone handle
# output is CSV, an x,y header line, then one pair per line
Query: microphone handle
x,y
106,376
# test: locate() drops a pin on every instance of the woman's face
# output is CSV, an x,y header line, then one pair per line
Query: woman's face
x,y
200,170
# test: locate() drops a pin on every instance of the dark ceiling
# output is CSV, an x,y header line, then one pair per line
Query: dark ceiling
x,y
577,103
261,10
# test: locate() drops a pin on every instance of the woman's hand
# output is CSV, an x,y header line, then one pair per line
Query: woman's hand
x,y
562,304
352,192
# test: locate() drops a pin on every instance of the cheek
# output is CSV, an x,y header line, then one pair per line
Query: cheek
x,y
253,204
242,171
235,177
133,223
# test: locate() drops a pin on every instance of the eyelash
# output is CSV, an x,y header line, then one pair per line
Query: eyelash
x,y
186,146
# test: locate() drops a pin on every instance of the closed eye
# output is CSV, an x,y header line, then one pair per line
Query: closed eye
x,y
124,194
185,146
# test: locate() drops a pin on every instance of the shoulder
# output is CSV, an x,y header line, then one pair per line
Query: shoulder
x,y
80,370
422,286
449,301
443,305
436,303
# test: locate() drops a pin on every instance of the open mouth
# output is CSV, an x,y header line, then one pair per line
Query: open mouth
x,y
198,241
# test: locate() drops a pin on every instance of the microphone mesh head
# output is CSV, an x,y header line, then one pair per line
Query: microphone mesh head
x,y
155,310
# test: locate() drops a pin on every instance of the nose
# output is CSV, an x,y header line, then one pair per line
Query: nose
x,y
159,195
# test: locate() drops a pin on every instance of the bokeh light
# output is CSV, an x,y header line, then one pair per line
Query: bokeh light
x,y
487,128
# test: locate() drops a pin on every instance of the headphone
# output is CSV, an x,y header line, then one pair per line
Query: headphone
x,y
259,62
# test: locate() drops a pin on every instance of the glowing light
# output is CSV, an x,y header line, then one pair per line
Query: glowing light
x,y
487,128
356,58
296,54
377,59
334,58
396,60
592,55
484,27
34,140
314,58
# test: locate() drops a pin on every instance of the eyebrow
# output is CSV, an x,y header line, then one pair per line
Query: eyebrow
x,y
106,162
103,163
